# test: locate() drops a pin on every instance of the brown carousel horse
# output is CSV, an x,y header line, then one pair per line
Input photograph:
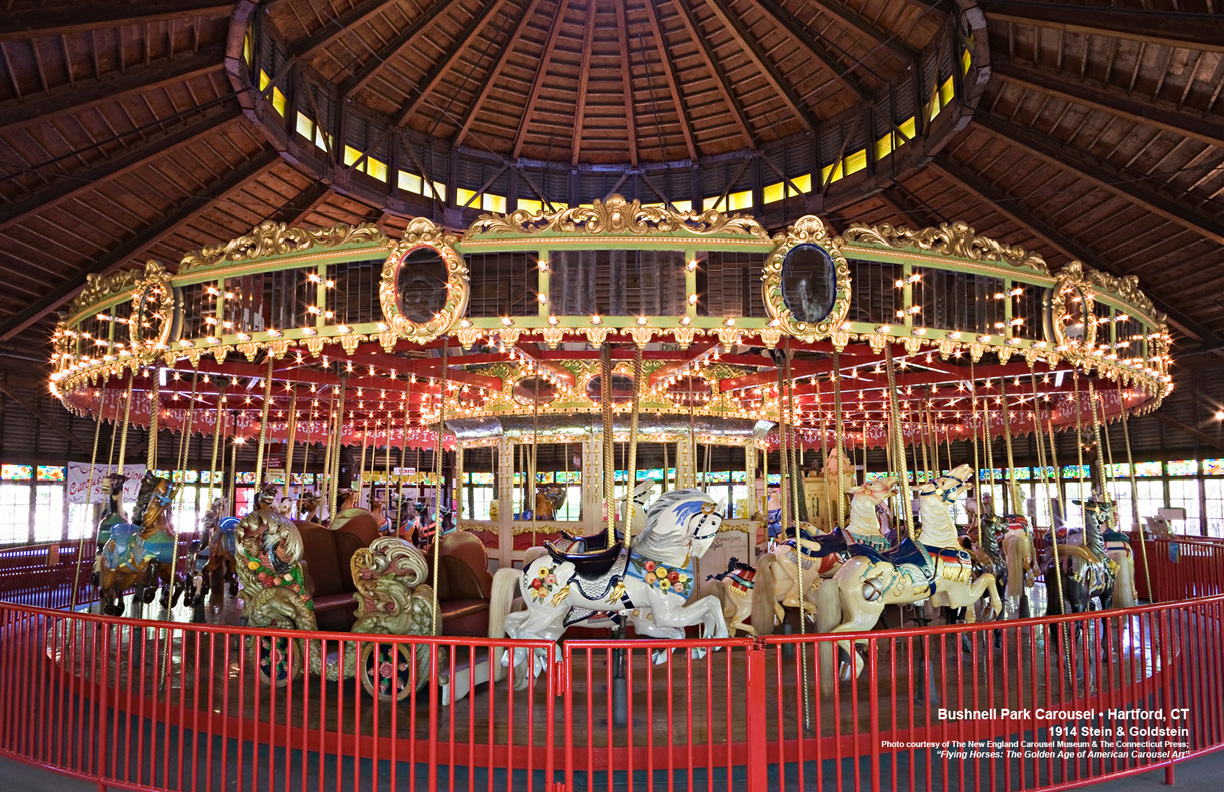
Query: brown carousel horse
x,y
141,554
215,566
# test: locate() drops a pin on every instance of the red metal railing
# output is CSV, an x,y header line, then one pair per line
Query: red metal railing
x,y
153,705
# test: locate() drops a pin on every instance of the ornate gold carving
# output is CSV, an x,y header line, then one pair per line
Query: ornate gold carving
x,y
956,239
154,313
807,230
270,239
684,336
100,287
1071,288
1126,288
552,336
424,233
618,216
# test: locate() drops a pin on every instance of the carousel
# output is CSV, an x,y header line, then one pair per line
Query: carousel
x,y
615,420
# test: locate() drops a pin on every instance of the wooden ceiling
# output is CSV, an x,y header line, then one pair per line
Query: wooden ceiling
x,y
1100,135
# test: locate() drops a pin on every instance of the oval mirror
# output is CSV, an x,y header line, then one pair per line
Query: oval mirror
x,y
1073,318
525,390
809,283
420,285
622,388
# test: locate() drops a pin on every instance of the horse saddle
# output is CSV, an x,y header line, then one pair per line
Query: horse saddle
x,y
596,541
589,564
874,541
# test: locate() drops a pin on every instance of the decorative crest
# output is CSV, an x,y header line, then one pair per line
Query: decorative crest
x,y
276,239
957,239
618,216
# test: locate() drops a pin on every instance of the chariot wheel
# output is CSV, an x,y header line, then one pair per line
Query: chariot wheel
x,y
386,670
276,662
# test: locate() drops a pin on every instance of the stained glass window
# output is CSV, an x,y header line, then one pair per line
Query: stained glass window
x,y
50,473
1213,467
718,477
739,477
1119,470
1070,472
482,479
1023,473
1182,467
775,479
1148,469
985,474
16,472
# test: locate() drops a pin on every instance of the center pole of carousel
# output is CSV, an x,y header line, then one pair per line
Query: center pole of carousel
x,y
620,680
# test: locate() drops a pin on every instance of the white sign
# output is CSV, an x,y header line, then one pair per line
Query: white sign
x,y
727,545
78,480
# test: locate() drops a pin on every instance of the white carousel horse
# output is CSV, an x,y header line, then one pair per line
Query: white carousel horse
x,y
599,540
1020,558
822,554
934,568
646,584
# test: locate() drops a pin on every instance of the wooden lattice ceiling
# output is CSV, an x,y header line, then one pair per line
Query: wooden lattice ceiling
x,y
1100,134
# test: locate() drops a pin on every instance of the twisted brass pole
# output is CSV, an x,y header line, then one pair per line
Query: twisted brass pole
x,y
263,426
633,441
609,461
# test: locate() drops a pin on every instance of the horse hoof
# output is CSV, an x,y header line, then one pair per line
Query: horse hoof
x,y
697,652
659,656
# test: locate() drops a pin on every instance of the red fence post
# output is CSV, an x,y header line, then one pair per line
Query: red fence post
x,y
758,738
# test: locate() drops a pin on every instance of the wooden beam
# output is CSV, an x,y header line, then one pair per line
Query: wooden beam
x,y
800,32
443,64
584,79
622,38
714,66
550,46
1166,28
669,71
1197,434
769,70
299,206
357,15
54,20
494,74
1011,208
1136,187
1112,100
849,18
46,420
68,185
84,94
135,246
397,45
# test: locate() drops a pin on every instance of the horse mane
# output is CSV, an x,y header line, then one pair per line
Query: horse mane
x,y
664,503
148,485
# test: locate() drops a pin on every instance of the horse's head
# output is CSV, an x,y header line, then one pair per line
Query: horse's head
x,y
308,503
153,502
549,498
346,498
876,491
112,484
680,523
950,486
1100,511
266,498
212,517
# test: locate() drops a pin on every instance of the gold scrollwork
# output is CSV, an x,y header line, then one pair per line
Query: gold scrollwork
x,y
1072,292
1126,288
958,239
617,216
100,287
424,233
807,230
154,312
270,239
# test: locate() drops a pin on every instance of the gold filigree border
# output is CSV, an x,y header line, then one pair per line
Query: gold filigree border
x,y
1071,279
957,239
269,239
155,292
616,215
424,233
807,230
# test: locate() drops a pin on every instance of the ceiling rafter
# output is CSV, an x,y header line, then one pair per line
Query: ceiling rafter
x,y
796,29
84,94
1114,101
622,39
769,70
355,16
669,71
64,186
1011,208
1138,188
1167,28
494,74
443,64
550,46
33,409
55,20
397,45
584,80
144,239
850,18
712,63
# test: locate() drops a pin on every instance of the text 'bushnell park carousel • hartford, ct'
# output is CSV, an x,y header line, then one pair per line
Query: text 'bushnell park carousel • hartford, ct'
x,y
619,423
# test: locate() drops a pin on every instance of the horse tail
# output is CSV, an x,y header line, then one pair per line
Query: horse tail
x,y
763,597
501,598
1124,585
828,616
1014,554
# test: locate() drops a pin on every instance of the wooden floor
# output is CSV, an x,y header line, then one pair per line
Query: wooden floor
x,y
697,701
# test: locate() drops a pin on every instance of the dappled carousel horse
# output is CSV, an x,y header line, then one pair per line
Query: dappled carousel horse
x,y
646,584
1007,551
215,565
1086,569
141,554
934,567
